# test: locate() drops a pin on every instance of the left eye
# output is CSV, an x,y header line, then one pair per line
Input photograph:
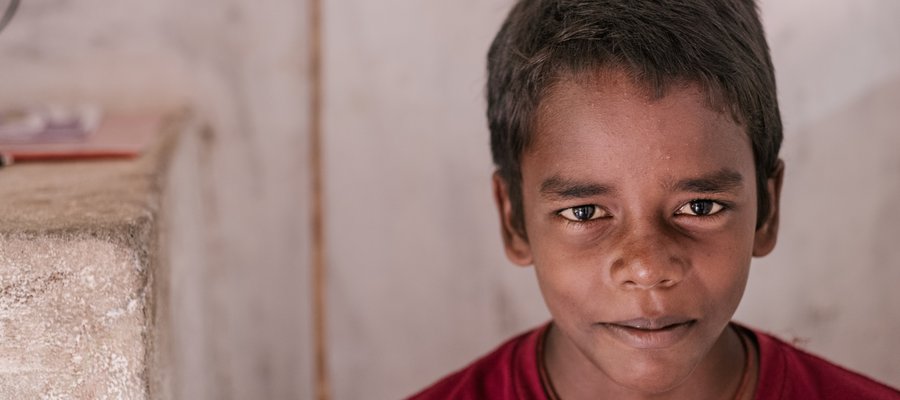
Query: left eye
x,y
582,213
700,208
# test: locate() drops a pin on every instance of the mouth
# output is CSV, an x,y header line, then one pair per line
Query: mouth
x,y
650,333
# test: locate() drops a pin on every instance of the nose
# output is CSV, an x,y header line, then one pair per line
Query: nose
x,y
648,259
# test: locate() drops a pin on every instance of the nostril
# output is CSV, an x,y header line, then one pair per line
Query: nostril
x,y
649,284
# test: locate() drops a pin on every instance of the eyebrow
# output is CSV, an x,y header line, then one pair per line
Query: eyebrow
x,y
557,187
721,181
724,180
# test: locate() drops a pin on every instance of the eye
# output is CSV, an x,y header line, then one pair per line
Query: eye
x,y
700,208
582,213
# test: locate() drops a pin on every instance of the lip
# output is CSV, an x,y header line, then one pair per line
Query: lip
x,y
650,333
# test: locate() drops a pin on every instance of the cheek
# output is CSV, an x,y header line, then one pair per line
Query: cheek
x,y
571,284
722,272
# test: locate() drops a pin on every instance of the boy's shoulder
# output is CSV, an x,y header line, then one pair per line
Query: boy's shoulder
x,y
511,371
786,372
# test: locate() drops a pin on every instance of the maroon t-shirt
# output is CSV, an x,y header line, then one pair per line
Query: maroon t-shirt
x,y
785,372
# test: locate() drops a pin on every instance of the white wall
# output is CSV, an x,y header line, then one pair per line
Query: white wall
x,y
418,281
829,281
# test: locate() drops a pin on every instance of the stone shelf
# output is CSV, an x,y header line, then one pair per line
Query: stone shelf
x,y
83,290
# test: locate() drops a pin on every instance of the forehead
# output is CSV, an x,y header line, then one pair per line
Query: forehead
x,y
608,125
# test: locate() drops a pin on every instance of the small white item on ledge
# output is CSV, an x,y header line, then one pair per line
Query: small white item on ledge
x,y
60,132
51,123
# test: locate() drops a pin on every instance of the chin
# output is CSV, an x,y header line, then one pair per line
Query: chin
x,y
651,375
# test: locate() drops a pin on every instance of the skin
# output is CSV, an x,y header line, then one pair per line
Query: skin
x,y
670,188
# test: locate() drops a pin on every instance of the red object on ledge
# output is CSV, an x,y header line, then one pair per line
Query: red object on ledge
x,y
116,136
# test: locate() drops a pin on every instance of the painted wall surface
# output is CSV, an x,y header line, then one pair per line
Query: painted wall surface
x,y
419,284
239,221
827,282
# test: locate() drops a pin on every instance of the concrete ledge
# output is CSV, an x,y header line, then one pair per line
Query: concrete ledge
x,y
83,290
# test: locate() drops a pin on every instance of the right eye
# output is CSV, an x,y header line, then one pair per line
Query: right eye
x,y
582,213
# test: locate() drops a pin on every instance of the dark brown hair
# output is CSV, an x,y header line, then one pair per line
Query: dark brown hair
x,y
718,44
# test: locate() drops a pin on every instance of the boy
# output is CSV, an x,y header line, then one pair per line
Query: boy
x,y
636,145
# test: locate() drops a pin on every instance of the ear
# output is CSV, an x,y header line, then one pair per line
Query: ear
x,y
767,233
516,245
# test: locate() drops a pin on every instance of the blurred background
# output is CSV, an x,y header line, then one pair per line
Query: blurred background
x,y
417,283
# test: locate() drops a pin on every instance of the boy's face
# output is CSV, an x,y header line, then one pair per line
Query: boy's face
x,y
640,217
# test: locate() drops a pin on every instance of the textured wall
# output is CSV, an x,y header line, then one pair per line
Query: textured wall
x,y
71,319
419,284
240,304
